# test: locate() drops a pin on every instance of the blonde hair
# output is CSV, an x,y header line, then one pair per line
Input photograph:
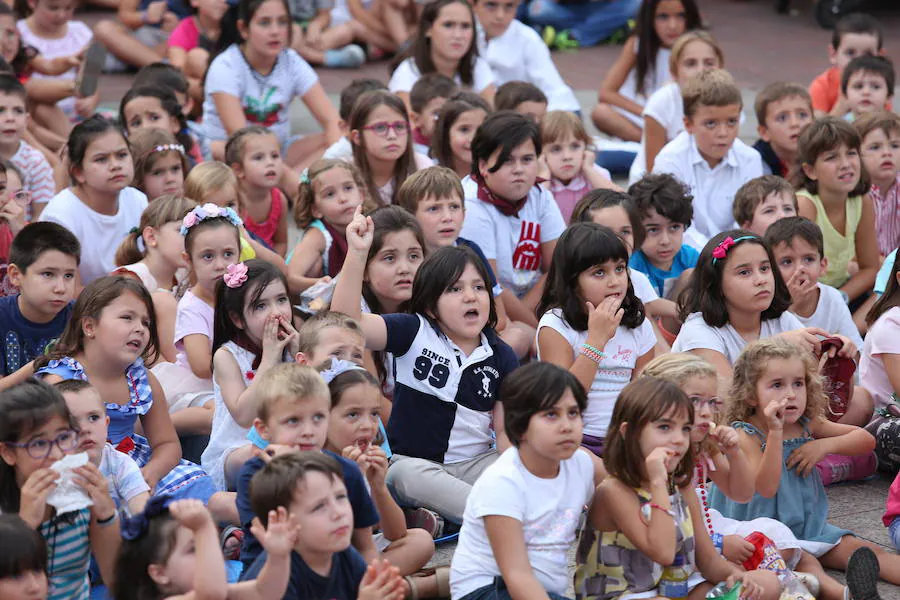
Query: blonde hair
x,y
289,381
679,367
207,178
557,124
148,146
750,367
165,209
715,87
308,334
436,182
696,35
306,201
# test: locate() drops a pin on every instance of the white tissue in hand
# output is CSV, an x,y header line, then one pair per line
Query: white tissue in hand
x,y
68,495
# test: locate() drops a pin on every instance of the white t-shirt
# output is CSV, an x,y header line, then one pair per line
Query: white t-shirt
x,y
100,235
514,241
695,334
832,315
614,372
519,54
340,149
643,289
549,510
265,99
713,188
407,73
666,107
123,476
38,174
78,35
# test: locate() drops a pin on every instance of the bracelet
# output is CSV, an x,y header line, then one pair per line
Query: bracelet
x,y
593,349
668,511
107,521
592,353
718,541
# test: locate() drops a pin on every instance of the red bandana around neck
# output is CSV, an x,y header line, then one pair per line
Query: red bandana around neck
x,y
509,209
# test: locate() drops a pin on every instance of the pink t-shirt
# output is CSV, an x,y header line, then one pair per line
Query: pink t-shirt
x,y
883,338
892,506
185,35
567,195
194,316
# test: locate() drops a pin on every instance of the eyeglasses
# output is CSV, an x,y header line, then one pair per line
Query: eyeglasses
x,y
40,448
381,129
715,405
22,198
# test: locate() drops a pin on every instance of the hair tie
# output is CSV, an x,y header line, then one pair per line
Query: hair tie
x,y
209,211
235,275
721,251
338,367
136,527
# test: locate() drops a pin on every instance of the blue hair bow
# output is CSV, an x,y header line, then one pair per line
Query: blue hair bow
x,y
136,527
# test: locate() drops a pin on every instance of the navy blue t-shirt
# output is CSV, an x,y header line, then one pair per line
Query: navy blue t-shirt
x,y
347,570
364,512
23,341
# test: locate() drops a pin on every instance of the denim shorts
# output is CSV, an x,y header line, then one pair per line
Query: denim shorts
x,y
894,532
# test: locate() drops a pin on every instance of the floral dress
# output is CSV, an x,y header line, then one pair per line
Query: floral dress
x,y
185,480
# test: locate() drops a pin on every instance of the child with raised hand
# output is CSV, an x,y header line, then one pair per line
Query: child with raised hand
x,y
645,514
507,540
458,120
880,151
171,550
234,98
832,192
323,562
127,487
663,114
736,295
37,431
782,111
23,562
353,432
252,333
515,220
253,154
160,163
448,364
592,323
776,402
433,45
762,201
330,191
211,244
569,160
157,107
112,331
99,208
642,67
382,145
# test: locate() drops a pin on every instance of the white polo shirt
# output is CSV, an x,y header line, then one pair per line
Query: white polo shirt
x,y
713,188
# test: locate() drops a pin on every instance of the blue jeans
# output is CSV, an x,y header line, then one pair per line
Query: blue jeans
x,y
894,532
590,23
498,591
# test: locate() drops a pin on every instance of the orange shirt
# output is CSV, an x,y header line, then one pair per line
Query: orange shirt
x,y
826,89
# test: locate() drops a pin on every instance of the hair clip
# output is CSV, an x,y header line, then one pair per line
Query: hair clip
x,y
209,211
235,275
136,527
304,176
167,147
721,251
338,367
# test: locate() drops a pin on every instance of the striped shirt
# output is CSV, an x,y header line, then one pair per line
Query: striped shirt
x,y
38,174
69,550
887,216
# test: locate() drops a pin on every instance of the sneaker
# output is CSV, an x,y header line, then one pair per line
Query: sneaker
x,y
422,518
231,540
835,468
350,56
862,575
564,41
548,35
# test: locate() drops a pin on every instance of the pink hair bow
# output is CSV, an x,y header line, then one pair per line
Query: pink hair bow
x,y
235,275
721,251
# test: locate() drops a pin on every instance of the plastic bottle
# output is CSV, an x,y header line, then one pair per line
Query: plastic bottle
x,y
674,580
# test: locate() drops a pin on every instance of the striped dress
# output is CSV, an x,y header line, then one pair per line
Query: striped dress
x,y
69,550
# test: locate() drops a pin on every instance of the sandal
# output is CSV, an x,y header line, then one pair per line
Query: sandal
x,y
89,73
442,579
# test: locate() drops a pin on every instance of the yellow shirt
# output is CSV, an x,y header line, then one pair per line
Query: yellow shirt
x,y
839,248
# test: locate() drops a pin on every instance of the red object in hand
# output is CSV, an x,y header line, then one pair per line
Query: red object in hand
x,y
837,373
765,555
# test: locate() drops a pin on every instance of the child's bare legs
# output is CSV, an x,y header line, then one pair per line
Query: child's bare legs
x,y
860,409
613,123
519,336
308,52
52,118
411,552
768,580
838,557
195,64
234,462
830,588
859,317
194,420
125,46
303,152
351,31
223,507
393,13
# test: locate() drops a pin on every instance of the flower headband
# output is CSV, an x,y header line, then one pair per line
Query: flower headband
x,y
136,527
209,211
235,275
339,367
721,251
166,147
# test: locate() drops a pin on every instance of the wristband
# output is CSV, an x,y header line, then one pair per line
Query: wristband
x,y
668,511
592,353
718,541
107,521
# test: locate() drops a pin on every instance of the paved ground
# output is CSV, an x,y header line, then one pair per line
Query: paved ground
x,y
760,46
